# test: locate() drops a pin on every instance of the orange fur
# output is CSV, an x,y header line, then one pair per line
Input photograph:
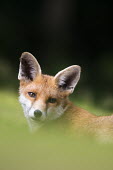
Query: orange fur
x,y
45,87
58,87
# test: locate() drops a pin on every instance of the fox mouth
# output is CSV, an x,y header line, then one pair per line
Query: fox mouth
x,y
36,119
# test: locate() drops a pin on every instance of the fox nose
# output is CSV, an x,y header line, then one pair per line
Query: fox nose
x,y
37,113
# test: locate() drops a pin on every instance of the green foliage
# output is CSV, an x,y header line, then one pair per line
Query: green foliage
x,y
49,148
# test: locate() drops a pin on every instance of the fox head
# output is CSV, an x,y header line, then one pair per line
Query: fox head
x,y
44,97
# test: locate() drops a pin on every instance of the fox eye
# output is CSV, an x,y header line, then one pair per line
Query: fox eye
x,y
52,100
31,94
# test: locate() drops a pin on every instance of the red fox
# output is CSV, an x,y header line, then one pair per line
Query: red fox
x,y
45,97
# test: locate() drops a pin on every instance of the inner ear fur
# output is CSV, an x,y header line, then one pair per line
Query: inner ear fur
x,y
29,67
68,78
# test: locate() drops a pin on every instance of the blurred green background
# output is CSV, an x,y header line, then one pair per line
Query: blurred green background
x,y
59,33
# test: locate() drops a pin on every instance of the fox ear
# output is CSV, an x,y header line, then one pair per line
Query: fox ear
x,y
29,67
68,78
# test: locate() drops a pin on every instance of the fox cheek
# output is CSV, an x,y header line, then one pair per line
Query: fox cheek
x,y
55,112
26,104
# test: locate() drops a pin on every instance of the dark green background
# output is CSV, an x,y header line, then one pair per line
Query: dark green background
x,y
60,33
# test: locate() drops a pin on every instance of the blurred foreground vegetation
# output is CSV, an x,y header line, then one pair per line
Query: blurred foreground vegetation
x,y
50,148
59,34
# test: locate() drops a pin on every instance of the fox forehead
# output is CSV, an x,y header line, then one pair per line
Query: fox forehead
x,y
43,84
